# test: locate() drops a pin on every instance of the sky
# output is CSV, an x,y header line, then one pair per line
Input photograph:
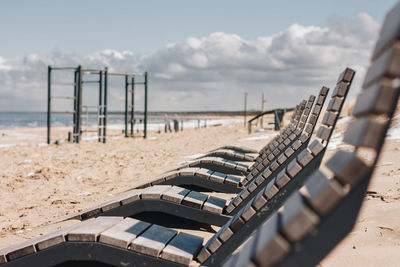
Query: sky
x,y
200,55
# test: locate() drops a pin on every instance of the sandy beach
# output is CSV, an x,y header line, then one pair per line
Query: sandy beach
x,y
42,183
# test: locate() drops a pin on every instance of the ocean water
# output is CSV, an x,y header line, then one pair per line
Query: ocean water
x,y
12,120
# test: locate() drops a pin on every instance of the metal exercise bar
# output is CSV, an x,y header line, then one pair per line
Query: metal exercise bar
x,y
126,74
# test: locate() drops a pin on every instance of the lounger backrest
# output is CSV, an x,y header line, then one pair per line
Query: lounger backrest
x,y
315,218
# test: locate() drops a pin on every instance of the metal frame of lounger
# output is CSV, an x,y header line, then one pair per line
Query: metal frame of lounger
x,y
314,220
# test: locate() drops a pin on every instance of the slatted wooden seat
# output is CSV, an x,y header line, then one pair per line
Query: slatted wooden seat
x,y
111,240
167,199
325,210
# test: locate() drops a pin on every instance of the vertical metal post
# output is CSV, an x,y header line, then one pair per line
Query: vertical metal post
x,y
132,105
79,105
74,115
245,108
100,108
48,103
126,105
145,103
262,110
105,104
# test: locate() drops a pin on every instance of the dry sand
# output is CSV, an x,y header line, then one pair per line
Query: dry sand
x,y
40,184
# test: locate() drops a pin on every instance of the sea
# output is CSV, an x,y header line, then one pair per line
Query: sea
x,y
13,120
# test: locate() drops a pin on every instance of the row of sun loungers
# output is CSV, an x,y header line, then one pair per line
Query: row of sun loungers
x,y
285,209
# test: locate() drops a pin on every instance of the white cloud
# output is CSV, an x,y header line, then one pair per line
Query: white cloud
x,y
214,71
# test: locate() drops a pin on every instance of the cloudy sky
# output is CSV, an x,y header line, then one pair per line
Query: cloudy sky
x,y
200,55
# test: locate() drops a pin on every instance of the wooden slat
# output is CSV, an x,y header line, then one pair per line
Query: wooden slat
x,y
320,100
232,180
324,132
282,179
153,240
309,128
217,177
304,157
90,232
289,151
214,204
182,248
155,192
316,147
330,118
123,233
175,194
365,131
340,89
270,190
322,193
335,104
248,212
188,171
304,137
296,144
317,109
390,31
387,65
281,158
271,246
259,200
204,173
133,196
324,91
293,168
274,165
171,175
346,75
194,199
311,120
377,99
297,219
347,167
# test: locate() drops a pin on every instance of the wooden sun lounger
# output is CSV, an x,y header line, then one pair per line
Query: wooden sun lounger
x,y
314,220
